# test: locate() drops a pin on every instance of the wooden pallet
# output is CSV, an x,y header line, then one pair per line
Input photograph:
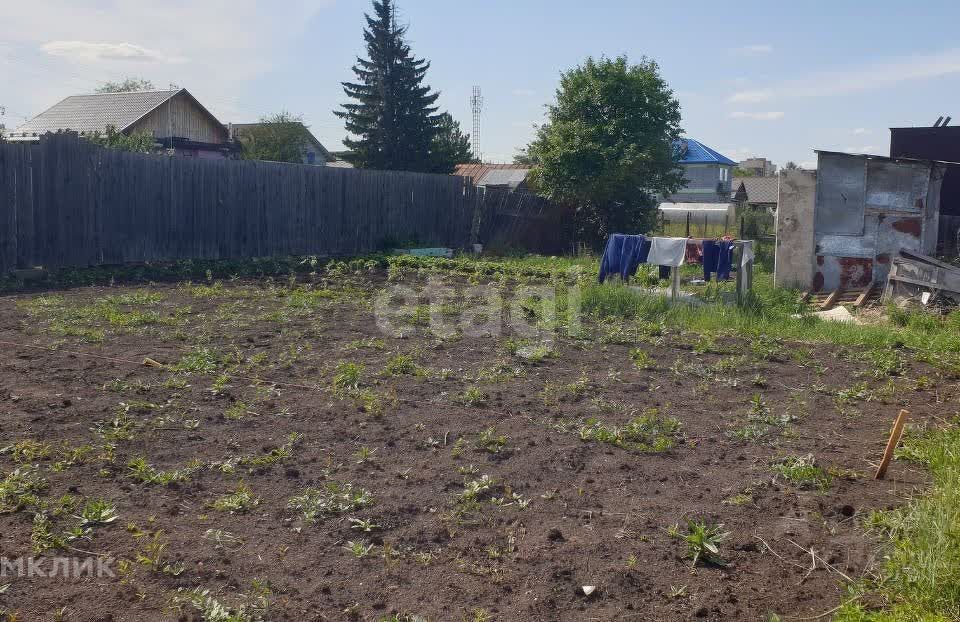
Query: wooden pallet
x,y
857,297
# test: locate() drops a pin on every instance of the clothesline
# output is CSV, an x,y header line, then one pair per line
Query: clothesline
x,y
624,253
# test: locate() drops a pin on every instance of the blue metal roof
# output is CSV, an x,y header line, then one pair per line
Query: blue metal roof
x,y
691,151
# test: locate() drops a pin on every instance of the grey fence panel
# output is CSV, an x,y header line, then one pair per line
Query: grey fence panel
x,y
66,202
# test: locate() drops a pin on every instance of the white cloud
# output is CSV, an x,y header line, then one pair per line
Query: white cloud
x,y
90,51
860,130
856,79
229,43
864,149
524,92
808,165
754,50
751,97
757,116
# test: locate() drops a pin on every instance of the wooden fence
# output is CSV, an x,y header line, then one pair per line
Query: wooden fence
x,y
508,222
66,202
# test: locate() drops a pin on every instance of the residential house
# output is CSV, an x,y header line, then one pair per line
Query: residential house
x,y
756,192
313,152
708,173
174,118
705,200
759,167
496,176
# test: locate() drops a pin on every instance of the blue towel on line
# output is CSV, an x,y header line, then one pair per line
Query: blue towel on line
x,y
718,258
622,255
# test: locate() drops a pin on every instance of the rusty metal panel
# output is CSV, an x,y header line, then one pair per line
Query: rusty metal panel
x,y
895,233
899,186
841,190
843,272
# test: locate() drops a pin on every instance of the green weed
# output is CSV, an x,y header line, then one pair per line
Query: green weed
x,y
703,541
334,498
803,472
402,365
490,441
473,396
649,432
239,501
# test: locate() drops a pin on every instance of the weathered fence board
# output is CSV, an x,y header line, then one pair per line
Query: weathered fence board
x,y
66,202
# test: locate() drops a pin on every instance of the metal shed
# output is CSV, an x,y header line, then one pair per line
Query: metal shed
x,y
866,208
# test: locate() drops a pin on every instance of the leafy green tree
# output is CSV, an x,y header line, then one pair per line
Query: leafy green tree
x,y
392,113
126,85
281,137
523,158
450,146
791,166
112,139
744,172
607,148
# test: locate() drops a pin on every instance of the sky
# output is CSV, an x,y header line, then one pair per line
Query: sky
x,y
774,80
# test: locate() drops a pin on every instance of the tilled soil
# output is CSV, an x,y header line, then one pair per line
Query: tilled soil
x,y
560,513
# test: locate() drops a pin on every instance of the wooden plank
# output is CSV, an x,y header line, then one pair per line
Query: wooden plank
x,y
862,298
895,435
831,300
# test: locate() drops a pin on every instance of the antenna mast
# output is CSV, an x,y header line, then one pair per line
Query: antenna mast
x,y
476,103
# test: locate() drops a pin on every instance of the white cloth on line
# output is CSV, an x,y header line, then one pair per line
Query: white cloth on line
x,y
667,251
746,255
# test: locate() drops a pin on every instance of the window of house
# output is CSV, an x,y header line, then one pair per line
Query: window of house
x,y
311,157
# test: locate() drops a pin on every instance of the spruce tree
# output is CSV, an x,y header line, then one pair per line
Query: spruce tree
x,y
450,146
392,114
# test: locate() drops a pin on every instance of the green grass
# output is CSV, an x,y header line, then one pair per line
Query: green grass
x,y
919,579
770,314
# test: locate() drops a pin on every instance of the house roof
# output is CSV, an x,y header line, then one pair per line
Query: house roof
x,y
691,151
511,175
756,189
94,113
239,128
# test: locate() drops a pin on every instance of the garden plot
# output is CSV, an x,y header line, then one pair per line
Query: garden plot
x,y
281,456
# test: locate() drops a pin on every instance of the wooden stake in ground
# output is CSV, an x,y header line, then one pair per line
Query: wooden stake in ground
x,y
892,444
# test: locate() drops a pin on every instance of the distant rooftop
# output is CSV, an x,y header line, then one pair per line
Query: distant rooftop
x,y
511,175
694,152
93,113
756,189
